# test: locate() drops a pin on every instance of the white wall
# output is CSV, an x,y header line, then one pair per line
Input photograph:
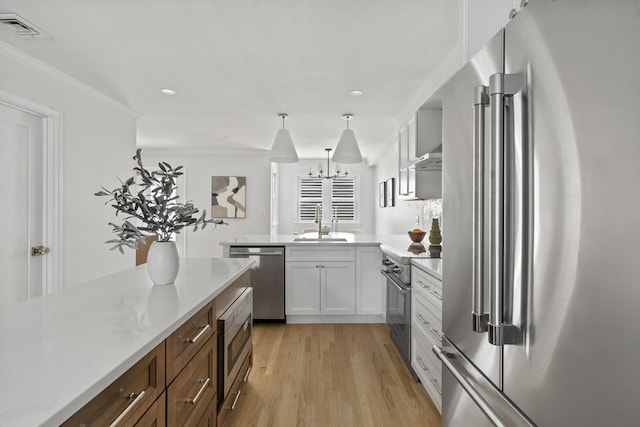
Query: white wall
x,y
400,218
287,195
484,19
200,167
98,139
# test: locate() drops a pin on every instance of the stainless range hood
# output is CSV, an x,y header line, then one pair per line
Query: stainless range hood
x,y
432,161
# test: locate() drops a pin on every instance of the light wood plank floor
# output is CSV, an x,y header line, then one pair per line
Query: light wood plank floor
x,y
330,375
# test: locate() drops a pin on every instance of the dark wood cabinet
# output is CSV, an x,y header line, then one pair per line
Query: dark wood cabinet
x,y
176,383
126,400
185,342
173,385
194,388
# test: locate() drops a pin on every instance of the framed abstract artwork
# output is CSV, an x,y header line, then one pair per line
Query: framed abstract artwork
x,y
382,194
228,196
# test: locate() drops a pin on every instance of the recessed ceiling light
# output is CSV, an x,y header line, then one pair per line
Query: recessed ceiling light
x,y
168,91
356,92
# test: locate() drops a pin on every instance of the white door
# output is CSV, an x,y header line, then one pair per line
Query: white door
x,y
21,215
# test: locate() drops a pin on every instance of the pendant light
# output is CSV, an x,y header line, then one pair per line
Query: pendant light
x,y
283,150
347,150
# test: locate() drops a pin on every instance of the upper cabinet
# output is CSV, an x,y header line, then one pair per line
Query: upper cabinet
x,y
420,147
421,134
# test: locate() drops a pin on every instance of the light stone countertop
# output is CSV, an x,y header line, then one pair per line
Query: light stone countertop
x,y
399,245
432,266
59,351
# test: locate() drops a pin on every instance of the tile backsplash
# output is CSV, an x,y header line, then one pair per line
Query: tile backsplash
x,y
432,209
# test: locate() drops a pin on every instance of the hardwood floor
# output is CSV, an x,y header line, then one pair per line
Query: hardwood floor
x,y
330,375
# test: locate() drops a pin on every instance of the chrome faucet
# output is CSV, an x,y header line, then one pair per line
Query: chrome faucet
x,y
318,219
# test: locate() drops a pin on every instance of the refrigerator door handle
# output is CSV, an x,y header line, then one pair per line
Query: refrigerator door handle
x,y
495,405
501,86
480,102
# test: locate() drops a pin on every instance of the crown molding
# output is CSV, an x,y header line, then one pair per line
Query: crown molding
x,y
201,150
43,68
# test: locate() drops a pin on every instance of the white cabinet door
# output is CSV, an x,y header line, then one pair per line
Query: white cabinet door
x,y
369,288
412,129
338,288
302,285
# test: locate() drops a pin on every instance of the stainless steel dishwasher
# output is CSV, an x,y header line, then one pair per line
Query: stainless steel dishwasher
x,y
267,279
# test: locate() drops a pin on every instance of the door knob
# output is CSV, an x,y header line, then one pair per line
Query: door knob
x,y
39,250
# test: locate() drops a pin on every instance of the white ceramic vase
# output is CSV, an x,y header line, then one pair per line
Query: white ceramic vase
x,y
163,262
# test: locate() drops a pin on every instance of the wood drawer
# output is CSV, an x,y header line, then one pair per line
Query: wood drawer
x,y
194,388
209,418
156,416
130,395
426,285
235,392
229,295
328,253
185,342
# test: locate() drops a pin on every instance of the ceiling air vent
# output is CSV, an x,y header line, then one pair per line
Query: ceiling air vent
x,y
21,27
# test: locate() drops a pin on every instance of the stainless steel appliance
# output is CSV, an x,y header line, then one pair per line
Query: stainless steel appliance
x,y
397,274
234,340
541,178
267,279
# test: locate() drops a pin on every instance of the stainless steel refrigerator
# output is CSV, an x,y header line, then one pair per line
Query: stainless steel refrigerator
x,y
541,197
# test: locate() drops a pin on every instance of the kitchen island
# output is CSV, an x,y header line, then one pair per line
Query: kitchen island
x,y
59,351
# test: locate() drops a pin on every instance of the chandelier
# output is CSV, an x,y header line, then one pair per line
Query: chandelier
x,y
325,173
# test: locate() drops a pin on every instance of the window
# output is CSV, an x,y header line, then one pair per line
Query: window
x,y
309,195
343,199
338,195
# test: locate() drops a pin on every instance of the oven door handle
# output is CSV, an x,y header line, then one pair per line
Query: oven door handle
x,y
402,288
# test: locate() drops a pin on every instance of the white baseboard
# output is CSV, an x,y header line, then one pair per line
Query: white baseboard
x,y
346,318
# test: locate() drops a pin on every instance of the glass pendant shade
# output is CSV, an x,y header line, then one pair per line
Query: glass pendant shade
x,y
347,150
282,150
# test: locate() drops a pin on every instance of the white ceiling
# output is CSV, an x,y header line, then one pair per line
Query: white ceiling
x,y
236,64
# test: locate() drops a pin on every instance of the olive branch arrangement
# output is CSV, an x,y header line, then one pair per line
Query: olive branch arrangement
x,y
152,200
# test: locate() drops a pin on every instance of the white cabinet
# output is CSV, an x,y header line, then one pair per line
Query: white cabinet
x,y
320,281
337,287
302,279
369,290
426,331
420,135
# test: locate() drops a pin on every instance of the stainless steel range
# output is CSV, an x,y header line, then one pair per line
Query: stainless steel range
x,y
397,272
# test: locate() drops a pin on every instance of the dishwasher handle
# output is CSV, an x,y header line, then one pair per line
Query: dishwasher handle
x,y
245,253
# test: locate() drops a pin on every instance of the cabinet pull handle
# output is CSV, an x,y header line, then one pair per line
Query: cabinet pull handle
x,y
246,376
424,322
136,397
203,329
435,384
435,334
435,294
422,284
235,401
205,383
421,363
